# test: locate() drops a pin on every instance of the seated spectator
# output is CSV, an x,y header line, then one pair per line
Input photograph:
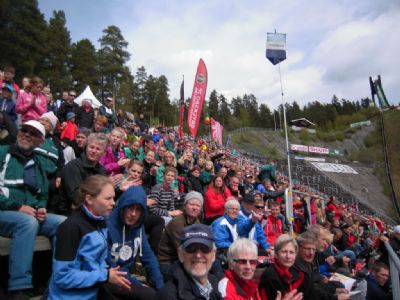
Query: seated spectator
x,y
333,209
79,263
100,124
256,234
207,174
33,104
7,105
378,282
169,161
165,197
80,142
150,170
128,243
191,278
135,151
300,221
282,275
23,203
113,160
170,239
185,163
78,170
192,182
8,130
238,280
133,176
85,116
215,198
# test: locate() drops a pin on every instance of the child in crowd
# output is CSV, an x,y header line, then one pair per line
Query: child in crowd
x,y
70,130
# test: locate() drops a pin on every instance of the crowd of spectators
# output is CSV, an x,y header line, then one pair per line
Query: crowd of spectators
x,y
136,212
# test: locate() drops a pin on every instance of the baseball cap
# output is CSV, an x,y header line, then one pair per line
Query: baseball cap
x,y
197,234
396,229
35,124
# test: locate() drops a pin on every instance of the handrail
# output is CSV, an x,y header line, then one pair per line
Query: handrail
x,y
394,263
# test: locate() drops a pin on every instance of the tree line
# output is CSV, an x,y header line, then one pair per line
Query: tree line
x,y
35,46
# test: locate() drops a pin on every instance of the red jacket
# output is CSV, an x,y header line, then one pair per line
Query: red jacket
x,y
333,208
273,229
231,287
214,202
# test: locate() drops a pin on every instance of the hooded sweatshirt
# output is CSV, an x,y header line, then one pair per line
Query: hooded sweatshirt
x,y
126,242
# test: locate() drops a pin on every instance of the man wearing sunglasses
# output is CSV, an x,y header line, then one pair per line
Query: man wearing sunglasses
x,y
68,106
23,202
191,278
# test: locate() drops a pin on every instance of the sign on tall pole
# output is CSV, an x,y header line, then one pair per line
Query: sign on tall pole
x,y
276,53
197,100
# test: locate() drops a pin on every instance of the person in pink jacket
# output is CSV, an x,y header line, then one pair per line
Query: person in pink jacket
x,y
33,104
113,159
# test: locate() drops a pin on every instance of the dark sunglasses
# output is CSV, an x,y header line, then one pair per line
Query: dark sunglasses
x,y
72,95
252,262
34,133
260,206
195,247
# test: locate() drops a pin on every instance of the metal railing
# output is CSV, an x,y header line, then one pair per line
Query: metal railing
x,y
394,263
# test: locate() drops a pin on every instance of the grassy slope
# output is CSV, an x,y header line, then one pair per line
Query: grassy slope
x,y
392,126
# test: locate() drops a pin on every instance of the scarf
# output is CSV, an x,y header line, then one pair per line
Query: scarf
x,y
287,276
248,289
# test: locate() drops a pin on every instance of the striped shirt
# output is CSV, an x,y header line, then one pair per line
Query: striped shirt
x,y
165,200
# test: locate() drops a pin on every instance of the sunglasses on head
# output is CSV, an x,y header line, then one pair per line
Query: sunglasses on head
x,y
252,262
260,206
34,133
195,247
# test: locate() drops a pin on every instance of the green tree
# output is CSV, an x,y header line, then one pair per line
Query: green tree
x,y
213,105
56,71
84,66
112,57
265,120
140,87
22,31
224,113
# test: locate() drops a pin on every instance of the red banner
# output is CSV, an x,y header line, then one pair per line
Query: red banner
x,y
181,109
216,131
197,100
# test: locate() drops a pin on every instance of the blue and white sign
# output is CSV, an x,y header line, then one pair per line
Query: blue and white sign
x,y
276,47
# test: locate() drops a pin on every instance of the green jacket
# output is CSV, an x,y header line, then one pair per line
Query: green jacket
x,y
13,191
160,177
140,155
47,153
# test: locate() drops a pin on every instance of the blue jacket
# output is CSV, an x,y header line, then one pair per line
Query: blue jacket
x,y
79,262
132,238
257,232
8,106
227,230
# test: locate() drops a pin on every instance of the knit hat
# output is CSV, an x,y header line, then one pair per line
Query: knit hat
x,y
193,195
52,117
70,115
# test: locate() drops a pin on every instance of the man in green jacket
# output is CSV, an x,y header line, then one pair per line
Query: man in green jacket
x,y
23,203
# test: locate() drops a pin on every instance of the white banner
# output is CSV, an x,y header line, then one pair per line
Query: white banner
x,y
318,150
301,148
336,168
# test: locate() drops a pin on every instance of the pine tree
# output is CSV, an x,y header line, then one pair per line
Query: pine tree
x,y
213,105
22,31
56,71
84,66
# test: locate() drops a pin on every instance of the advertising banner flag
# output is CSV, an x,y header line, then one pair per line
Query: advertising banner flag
x,y
216,131
197,100
276,47
181,108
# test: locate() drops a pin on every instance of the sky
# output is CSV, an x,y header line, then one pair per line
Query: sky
x,y
332,46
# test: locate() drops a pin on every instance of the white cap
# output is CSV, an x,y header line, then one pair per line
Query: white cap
x,y
35,124
396,229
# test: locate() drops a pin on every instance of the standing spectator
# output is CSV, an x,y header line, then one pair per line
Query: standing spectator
x,y
79,263
100,124
66,107
7,105
191,278
70,130
85,117
23,213
9,73
64,98
170,142
121,118
144,127
274,226
108,111
33,104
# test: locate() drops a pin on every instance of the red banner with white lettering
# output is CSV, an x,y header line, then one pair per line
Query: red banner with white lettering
x,y
216,131
197,100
